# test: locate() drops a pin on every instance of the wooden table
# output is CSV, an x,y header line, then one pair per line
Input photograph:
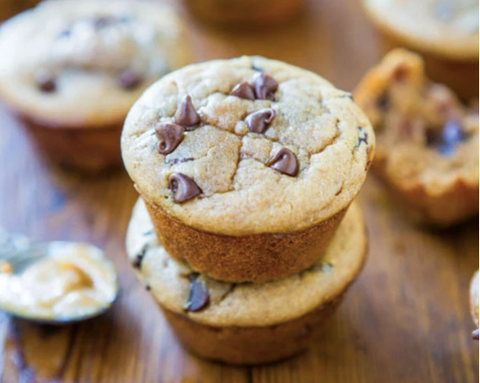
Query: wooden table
x,y
406,319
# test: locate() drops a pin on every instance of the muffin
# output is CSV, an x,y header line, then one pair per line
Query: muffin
x,y
427,140
244,14
71,70
474,302
247,323
247,166
445,32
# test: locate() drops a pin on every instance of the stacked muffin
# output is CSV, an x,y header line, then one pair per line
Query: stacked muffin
x,y
245,233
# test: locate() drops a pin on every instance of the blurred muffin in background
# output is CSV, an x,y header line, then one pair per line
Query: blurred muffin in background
x,y
243,14
445,32
71,70
427,140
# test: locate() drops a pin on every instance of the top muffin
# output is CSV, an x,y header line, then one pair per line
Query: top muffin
x,y
247,146
442,27
84,63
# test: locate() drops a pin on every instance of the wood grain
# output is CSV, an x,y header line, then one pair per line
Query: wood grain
x,y
405,320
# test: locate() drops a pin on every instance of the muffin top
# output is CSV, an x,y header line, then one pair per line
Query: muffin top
x,y
443,27
425,135
247,146
178,288
83,63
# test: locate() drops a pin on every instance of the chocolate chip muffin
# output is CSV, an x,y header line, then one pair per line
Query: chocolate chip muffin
x,y
247,166
71,70
427,140
247,323
474,302
445,32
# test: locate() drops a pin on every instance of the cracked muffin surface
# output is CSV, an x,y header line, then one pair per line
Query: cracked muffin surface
x,y
179,289
82,64
273,148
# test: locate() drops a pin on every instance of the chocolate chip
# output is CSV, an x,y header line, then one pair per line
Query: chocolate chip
x,y
362,136
259,121
186,115
285,162
147,287
101,22
265,87
45,81
199,296
475,334
447,139
383,102
64,34
170,136
182,187
256,68
137,262
243,90
129,79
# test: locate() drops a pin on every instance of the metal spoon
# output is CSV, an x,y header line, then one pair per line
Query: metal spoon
x,y
20,253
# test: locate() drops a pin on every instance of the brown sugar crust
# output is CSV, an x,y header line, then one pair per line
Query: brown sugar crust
x,y
250,258
427,150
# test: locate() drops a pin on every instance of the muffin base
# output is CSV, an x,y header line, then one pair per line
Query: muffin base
x,y
251,345
456,205
84,150
250,258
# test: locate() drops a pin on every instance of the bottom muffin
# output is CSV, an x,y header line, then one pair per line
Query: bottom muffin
x,y
247,323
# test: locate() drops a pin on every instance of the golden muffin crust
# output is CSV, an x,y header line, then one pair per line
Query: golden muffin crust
x,y
82,63
427,139
446,28
283,153
246,304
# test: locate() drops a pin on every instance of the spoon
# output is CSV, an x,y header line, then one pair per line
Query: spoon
x,y
22,263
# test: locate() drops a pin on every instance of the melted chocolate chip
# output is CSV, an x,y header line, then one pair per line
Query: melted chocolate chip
x,y
174,161
475,334
101,22
362,136
45,81
265,87
259,121
199,295
137,262
129,79
182,187
383,102
187,115
243,90
170,136
285,162
446,140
